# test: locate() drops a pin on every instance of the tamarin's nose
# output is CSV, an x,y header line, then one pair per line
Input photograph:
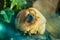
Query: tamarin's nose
x,y
30,18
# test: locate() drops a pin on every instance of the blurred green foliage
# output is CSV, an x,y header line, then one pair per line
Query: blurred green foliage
x,y
6,15
18,3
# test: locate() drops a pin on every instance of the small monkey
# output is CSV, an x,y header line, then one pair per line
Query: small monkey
x,y
31,21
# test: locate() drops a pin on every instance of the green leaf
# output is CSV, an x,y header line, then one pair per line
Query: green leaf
x,y
18,3
6,15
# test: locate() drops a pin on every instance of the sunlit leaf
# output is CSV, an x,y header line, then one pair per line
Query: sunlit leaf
x,y
18,3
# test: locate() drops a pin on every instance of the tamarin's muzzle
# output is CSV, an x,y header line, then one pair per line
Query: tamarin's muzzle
x,y
30,18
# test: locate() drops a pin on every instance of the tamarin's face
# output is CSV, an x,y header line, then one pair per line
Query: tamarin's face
x,y
30,20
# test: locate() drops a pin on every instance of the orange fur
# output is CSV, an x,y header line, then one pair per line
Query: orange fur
x,y
37,26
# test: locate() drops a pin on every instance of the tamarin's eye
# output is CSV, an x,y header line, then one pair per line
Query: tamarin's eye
x,y
30,18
